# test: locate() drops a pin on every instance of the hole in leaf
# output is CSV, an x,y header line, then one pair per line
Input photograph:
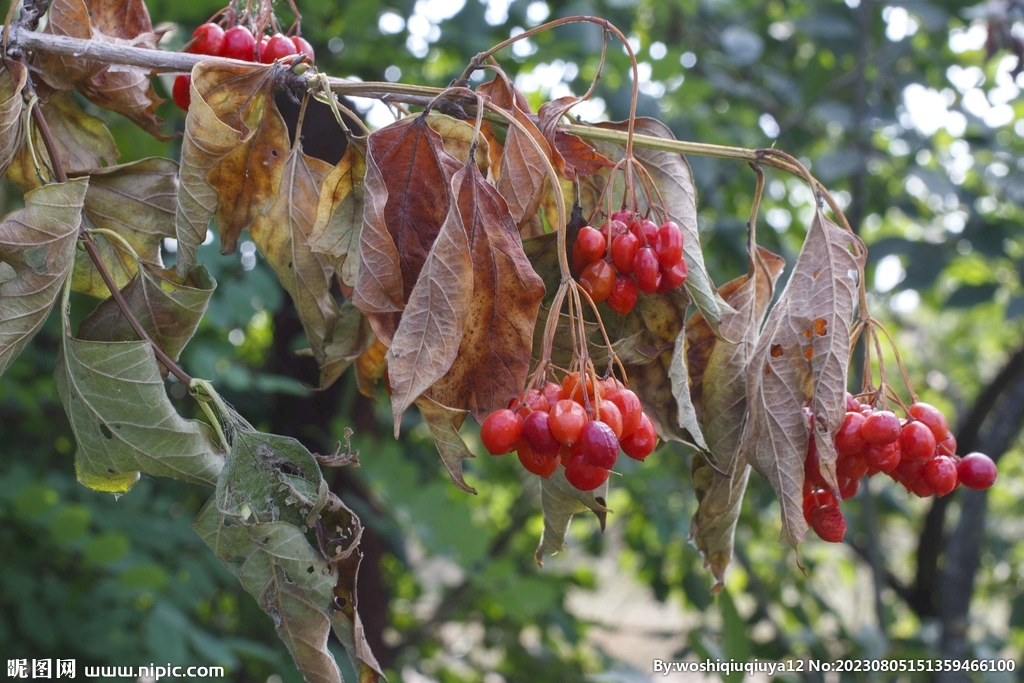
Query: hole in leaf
x,y
809,353
273,153
105,430
821,327
310,570
339,602
776,350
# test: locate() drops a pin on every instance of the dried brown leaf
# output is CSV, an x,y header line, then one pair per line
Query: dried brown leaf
x,y
351,339
233,155
821,293
339,215
370,368
13,76
458,139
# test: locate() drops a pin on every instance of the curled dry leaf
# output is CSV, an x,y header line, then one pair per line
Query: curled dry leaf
x,y
233,155
169,308
571,155
370,368
802,355
351,339
13,76
559,501
282,235
339,215
37,248
718,372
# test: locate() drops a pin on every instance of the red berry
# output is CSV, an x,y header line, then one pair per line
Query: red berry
x,y
645,270
921,488
538,435
552,391
500,431
907,472
181,93
815,498
597,279
916,441
530,402
623,250
932,417
646,231
883,458
947,446
566,421
881,428
302,46
572,387
977,471
629,407
591,243
541,465
624,294
812,468
278,47
641,443
853,466
674,277
581,474
611,416
669,244
848,488
239,43
623,216
828,522
941,474
852,404
848,438
208,39
599,444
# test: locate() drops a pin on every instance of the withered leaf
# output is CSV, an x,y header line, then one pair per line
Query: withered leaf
x,y
723,399
168,307
82,143
282,233
571,155
458,139
443,423
339,215
370,368
37,247
494,354
233,155
823,286
13,76
559,501
674,180
136,201
428,336
351,339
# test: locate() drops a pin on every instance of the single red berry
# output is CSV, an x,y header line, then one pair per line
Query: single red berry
x,y
668,244
977,471
538,435
629,407
624,294
848,438
921,488
573,387
541,465
623,216
552,391
645,270
916,441
848,488
500,431
852,404
674,277
600,445
623,250
208,39
815,498
566,421
947,446
812,467
181,93
239,43
261,47
581,474
646,231
278,47
578,260
302,46
932,417
530,402
611,416
597,279
881,427
828,522
641,443
609,385
591,243
907,472
941,474
853,466
884,458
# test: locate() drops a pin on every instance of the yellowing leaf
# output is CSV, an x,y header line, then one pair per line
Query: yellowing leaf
x,y
233,155
37,247
339,215
802,355
351,338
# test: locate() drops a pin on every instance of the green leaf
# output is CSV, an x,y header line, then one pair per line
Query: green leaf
x,y
123,421
37,247
443,423
560,500
272,478
168,308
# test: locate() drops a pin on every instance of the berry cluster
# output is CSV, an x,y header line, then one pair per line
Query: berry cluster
x,y
626,256
918,452
237,42
559,425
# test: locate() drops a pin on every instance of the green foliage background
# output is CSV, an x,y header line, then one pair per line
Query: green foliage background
x,y
449,588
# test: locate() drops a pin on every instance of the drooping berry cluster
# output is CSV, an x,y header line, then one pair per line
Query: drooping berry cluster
x,y
237,42
626,256
558,425
918,452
